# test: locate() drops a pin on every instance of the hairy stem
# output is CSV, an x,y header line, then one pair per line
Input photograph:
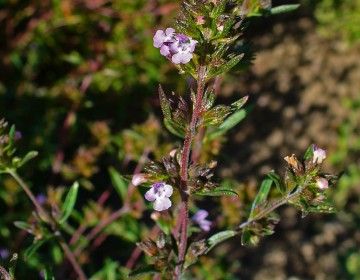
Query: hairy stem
x,y
184,210
69,254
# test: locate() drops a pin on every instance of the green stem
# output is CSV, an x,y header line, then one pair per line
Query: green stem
x,y
271,208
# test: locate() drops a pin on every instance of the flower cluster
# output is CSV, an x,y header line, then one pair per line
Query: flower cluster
x,y
177,47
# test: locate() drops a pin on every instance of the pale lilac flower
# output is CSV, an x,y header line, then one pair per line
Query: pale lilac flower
x,y
162,37
183,49
200,219
322,183
160,193
319,155
177,47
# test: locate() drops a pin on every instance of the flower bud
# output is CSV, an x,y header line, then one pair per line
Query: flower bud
x,y
319,155
322,183
139,179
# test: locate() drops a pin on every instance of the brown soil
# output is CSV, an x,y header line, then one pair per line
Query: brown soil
x,y
298,83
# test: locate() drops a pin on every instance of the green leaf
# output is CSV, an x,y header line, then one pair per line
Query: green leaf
x,y
240,103
23,226
12,135
284,9
119,183
12,266
277,180
229,122
219,237
227,66
69,203
150,269
48,274
169,125
218,9
261,196
215,115
34,247
218,192
165,104
30,155
309,152
248,237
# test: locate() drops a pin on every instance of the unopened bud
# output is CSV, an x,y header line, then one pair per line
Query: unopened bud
x,y
139,179
319,155
172,152
322,183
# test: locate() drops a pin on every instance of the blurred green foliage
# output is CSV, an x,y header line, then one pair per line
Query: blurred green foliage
x,y
338,18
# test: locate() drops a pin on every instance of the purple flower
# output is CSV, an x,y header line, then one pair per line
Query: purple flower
x,y
319,155
177,47
41,198
200,219
160,193
4,253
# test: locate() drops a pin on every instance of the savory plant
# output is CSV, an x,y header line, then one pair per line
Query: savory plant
x,y
205,42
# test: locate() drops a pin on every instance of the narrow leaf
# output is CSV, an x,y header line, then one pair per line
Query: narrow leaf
x,y
240,103
34,247
48,274
230,122
309,152
69,203
218,192
284,9
30,155
119,183
143,271
168,124
261,196
219,237
165,105
277,180
227,66
23,226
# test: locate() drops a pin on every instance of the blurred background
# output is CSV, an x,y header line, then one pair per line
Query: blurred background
x,y
79,80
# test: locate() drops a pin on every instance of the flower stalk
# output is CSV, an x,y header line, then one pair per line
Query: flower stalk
x,y
184,210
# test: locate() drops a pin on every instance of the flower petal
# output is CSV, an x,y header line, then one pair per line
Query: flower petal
x,y
164,50
169,31
150,195
205,225
200,215
168,190
159,38
162,204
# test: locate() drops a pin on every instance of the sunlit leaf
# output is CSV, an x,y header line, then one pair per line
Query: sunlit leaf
x,y
69,203
119,183
261,196
219,237
218,192
284,9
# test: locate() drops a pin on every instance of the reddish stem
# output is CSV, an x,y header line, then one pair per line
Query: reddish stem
x,y
184,192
